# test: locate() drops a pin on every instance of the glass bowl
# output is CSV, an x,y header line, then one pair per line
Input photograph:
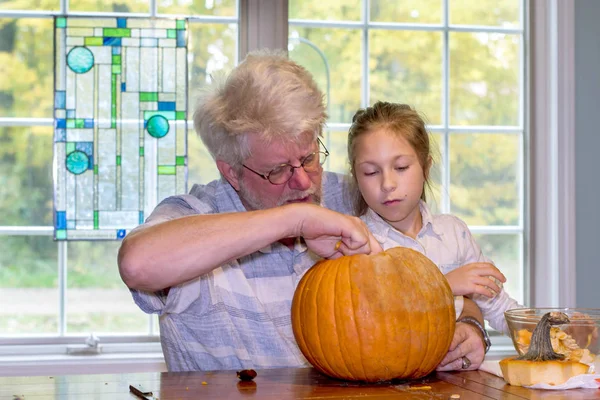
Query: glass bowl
x,y
577,339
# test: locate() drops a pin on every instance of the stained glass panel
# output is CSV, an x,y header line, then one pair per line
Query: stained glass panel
x,y
120,104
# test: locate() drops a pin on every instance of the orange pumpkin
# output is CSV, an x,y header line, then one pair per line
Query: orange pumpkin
x,y
374,318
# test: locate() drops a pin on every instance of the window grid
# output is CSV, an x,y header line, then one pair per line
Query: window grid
x,y
445,129
37,122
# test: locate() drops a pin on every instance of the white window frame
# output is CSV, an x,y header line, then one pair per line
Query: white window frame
x,y
552,149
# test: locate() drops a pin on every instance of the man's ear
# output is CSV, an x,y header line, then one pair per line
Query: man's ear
x,y
229,173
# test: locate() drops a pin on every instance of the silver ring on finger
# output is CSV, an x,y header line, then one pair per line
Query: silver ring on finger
x,y
466,363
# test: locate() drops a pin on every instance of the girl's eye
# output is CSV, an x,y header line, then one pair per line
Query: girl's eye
x,y
370,173
402,168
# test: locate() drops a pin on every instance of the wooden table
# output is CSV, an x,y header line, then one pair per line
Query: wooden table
x,y
275,384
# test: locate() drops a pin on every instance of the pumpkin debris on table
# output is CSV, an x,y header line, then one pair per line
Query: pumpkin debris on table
x,y
374,317
542,363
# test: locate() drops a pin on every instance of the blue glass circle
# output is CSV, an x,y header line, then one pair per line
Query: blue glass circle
x,y
77,162
157,126
80,59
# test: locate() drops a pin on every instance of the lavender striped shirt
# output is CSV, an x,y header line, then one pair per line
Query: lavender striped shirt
x,y
238,315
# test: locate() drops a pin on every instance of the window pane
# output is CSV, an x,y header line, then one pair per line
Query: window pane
x,y
504,13
201,166
28,285
345,10
30,5
26,56
335,51
406,67
435,192
121,6
484,79
221,8
212,55
485,178
507,254
212,52
26,168
407,11
97,298
337,144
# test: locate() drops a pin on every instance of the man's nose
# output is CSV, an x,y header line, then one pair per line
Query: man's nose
x,y
300,179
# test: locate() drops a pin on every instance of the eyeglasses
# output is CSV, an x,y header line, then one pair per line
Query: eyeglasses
x,y
284,172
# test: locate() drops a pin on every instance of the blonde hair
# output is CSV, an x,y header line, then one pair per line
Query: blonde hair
x,y
267,95
400,119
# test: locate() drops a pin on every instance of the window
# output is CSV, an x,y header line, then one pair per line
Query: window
x,y
458,62
62,292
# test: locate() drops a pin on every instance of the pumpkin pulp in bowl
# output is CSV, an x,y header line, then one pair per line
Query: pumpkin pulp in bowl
x,y
553,346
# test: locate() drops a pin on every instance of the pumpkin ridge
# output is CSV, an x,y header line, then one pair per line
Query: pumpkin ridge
x,y
306,301
410,325
320,273
358,335
433,272
416,371
380,306
332,354
299,326
338,330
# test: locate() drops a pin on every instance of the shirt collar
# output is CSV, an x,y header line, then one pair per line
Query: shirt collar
x,y
381,229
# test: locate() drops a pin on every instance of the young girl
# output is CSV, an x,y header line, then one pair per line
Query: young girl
x,y
390,159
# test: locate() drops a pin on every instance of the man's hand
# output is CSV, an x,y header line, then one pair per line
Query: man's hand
x,y
332,235
467,342
475,278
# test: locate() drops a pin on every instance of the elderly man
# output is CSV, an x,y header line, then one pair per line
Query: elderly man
x,y
220,264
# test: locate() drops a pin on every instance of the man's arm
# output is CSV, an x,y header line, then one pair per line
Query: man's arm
x,y
468,341
176,251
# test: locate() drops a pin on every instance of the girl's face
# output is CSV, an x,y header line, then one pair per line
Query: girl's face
x,y
390,177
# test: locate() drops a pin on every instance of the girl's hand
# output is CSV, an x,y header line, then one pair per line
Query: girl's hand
x,y
475,278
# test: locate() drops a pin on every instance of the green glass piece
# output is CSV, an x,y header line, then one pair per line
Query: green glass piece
x,y
116,69
79,123
70,123
141,151
61,22
179,160
148,96
116,60
70,147
93,41
116,32
61,234
180,24
180,115
96,224
118,160
171,33
166,170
